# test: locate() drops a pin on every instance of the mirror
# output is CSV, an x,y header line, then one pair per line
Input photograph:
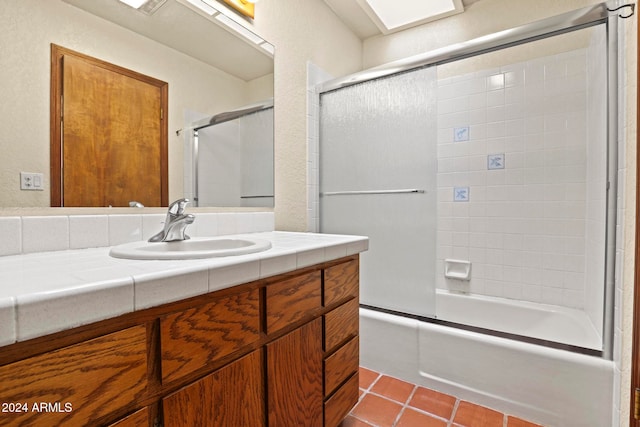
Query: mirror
x,y
209,69
232,158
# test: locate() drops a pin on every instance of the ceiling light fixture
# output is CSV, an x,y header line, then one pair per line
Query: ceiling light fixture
x,y
230,20
145,6
243,7
136,4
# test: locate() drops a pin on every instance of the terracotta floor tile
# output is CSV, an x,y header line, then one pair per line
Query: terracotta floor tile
x,y
517,422
353,422
472,415
411,418
433,402
367,377
393,388
377,410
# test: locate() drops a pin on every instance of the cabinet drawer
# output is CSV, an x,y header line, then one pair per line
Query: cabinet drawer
x,y
292,300
192,338
339,405
79,383
341,324
341,282
341,365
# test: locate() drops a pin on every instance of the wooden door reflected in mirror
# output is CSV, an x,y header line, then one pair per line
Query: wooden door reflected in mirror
x,y
108,134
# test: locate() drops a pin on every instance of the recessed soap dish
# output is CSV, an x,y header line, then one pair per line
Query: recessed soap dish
x,y
457,269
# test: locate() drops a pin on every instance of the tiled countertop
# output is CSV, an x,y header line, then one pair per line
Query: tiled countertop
x,y
46,292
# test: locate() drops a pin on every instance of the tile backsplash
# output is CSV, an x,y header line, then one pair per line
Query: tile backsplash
x,y
28,234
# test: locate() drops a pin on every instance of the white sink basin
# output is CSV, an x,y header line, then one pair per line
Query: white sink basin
x,y
195,248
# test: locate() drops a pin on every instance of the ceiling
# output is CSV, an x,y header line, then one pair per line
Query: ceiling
x,y
180,27
187,30
354,16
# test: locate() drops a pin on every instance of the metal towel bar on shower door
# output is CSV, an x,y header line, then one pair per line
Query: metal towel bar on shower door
x,y
350,193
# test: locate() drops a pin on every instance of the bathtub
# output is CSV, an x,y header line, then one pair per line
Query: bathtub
x,y
550,386
549,324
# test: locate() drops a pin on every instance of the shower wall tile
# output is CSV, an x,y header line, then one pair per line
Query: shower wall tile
x,y
527,172
315,76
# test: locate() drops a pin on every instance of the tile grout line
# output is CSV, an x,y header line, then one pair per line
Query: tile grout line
x,y
453,412
405,405
408,405
366,391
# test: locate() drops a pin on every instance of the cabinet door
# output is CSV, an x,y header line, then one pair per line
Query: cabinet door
x,y
232,396
294,377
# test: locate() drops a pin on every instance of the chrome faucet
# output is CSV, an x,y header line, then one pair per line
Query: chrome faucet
x,y
175,224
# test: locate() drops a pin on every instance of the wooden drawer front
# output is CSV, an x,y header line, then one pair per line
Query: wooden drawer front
x,y
137,419
77,384
233,396
292,300
192,338
341,282
340,325
341,365
339,405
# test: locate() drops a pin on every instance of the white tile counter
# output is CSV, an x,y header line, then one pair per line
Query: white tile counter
x,y
46,292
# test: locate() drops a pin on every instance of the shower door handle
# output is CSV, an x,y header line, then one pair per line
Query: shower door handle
x,y
351,193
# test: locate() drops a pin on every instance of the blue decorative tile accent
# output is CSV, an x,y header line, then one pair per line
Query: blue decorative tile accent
x,y
495,161
461,134
461,194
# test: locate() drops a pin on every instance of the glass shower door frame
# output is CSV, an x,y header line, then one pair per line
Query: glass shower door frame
x,y
571,21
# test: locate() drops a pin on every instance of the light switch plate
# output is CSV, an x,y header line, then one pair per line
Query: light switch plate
x,y
31,181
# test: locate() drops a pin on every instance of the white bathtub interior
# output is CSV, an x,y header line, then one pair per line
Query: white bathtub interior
x,y
547,323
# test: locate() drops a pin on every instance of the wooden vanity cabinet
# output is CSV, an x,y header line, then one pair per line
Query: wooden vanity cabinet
x,y
281,351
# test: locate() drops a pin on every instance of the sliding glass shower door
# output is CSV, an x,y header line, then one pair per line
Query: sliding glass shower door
x,y
378,178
